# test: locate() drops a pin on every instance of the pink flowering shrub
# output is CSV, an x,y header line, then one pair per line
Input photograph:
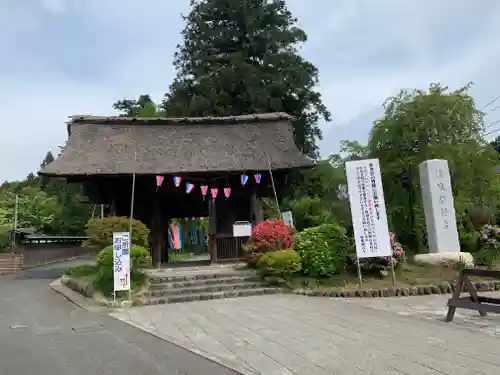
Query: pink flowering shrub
x,y
270,235
398,252
380,266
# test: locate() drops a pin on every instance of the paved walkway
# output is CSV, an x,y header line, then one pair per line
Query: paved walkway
x,y
289,334
42,333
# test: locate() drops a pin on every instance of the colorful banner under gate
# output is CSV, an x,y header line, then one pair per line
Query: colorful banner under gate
x,y
189,187
121,261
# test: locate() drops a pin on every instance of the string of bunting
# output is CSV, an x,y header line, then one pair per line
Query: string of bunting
x,y
189,187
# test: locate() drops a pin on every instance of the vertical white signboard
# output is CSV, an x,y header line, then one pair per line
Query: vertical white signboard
x,y
287,218
121,261
369,216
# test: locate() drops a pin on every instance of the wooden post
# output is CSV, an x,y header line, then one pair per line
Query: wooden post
x,y
459,284
256,209
157,238
212,230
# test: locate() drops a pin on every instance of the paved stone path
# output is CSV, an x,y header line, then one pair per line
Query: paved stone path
x,y
41,333
434,308
289,334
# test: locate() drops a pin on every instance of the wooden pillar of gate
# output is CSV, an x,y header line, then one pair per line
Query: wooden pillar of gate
x,y
212,230
256,212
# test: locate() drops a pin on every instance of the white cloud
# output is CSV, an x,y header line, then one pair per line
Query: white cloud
x,y
72,56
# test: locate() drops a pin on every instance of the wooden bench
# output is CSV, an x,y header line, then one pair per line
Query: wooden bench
x,y
481,304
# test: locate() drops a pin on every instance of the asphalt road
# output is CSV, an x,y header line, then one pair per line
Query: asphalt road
x,y
42,333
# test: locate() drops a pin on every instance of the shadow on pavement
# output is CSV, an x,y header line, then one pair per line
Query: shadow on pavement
x,y
51,271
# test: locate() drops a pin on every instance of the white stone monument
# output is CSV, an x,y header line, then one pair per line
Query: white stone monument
x,y
437,198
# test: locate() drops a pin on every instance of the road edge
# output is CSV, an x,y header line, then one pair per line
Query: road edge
x,y
76,298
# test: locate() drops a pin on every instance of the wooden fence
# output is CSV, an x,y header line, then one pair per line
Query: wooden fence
x,y
39,250
10,263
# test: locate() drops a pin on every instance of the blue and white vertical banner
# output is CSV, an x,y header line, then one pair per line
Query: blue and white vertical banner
x,y
121,261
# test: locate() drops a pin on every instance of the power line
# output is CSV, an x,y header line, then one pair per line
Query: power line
x,y
491,102
494,130
495,108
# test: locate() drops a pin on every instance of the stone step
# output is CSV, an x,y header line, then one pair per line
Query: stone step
x,y
202,282
204,289
210,296
207,276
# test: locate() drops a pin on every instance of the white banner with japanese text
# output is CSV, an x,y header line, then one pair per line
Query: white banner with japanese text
x,y
369,216
121,261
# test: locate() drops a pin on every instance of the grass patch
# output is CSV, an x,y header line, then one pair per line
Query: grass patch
x,y
407,275
102,280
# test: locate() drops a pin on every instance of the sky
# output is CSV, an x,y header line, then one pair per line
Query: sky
x,y
66,57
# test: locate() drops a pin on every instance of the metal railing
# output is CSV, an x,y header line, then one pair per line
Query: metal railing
x,y
229,247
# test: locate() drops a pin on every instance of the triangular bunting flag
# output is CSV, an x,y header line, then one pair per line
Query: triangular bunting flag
x,y
204,189
189,187
177,181
159,181
227,192
214,192
257,177
243,179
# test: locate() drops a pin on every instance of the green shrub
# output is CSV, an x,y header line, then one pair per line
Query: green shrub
x,y
280,263
323,249
484,257
469,242
100,231
139,257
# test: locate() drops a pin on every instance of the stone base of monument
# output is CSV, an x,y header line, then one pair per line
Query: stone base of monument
x,y
450,258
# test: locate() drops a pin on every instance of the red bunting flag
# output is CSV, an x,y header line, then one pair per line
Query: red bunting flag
x,y
159,180
204,189
214,192
227,192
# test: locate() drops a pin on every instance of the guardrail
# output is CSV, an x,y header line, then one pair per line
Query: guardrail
x,y
59,240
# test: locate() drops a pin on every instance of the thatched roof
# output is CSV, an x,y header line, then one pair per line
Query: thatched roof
x,y
108,145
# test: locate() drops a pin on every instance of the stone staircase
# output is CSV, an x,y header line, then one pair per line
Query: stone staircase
x,y
204,286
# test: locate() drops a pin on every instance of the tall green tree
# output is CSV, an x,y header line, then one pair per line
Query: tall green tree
x,y
496,144
240,57
132,107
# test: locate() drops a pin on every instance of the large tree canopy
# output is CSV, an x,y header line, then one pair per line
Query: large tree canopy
x,y
45,205
241,57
